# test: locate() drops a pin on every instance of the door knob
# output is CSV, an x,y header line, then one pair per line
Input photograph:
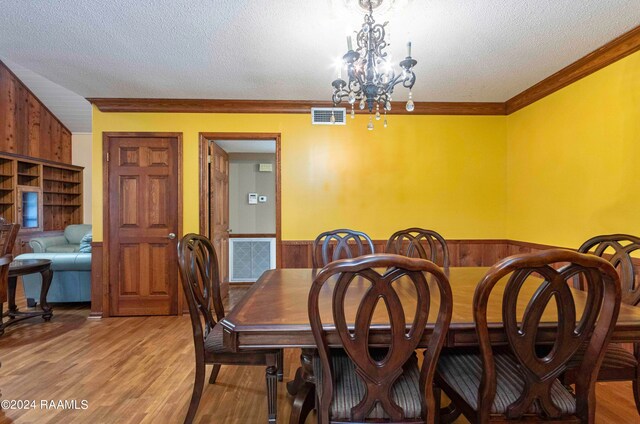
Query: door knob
x,y
171,236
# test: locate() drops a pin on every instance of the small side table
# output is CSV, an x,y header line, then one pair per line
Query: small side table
x,y
24,267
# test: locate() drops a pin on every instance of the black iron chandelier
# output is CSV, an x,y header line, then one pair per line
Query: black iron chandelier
x,y
372,77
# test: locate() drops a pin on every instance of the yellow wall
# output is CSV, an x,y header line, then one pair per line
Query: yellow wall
x,y
442,172
81,154
573,160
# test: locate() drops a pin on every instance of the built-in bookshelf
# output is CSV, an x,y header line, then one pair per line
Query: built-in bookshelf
x,y
40,195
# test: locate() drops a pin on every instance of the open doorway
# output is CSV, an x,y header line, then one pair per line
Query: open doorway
x,y
240,203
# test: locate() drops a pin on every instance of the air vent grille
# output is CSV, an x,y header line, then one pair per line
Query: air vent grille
x,y
322,115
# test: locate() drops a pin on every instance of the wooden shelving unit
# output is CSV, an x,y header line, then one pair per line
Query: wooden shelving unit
x,y
59,188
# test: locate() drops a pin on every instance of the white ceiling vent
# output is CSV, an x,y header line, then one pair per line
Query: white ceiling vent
x,y
322,115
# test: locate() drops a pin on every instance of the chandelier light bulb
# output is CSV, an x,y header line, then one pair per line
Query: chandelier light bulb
x,y
387,105
362,104
352,98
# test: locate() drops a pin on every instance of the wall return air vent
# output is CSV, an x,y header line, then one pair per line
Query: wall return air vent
x,y
322,115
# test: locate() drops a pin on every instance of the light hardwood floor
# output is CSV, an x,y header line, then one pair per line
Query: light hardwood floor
x,y
140,370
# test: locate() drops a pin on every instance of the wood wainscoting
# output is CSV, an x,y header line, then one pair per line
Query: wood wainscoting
x,y
297,254
478,252
97,280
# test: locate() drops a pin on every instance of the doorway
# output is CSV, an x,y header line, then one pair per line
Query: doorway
x,y
240,202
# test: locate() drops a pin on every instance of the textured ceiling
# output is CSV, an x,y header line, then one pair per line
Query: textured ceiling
x,y
482,50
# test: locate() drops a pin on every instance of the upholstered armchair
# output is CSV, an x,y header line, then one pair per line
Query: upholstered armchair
x,y
67,243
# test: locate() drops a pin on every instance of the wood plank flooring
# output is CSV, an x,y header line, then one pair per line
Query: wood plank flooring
x,y
140,370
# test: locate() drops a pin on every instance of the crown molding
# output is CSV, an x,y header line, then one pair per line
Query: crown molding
x,y
611,52
281,106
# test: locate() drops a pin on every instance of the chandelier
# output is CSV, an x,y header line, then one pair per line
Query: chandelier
x,y
371,76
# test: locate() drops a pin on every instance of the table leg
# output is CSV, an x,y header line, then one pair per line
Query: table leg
x,y
304,373
47,276
303,403
303,388
12,294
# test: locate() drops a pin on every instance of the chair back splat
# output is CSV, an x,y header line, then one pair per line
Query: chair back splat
x,y
379,372
201,282
420,243
593,329
340,244
617,249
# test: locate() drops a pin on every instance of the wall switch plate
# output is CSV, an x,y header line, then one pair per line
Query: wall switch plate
x,y
265,167
262,199
253,198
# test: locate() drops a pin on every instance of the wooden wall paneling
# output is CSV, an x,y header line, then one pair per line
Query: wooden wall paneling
x,y
475,252
45,133
33,144
97,254
27,126
4,115
65,142
296,254
22,120
7,111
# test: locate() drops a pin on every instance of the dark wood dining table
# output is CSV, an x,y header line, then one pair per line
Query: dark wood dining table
x,y
274,314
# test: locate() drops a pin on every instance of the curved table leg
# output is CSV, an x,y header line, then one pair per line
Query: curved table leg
x,y
303,403
47,276
303,388
304,373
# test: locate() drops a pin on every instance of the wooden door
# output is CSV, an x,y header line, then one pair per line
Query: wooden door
x,y
143,186
219,207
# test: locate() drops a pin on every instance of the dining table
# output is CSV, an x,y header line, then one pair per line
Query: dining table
x,y
274,314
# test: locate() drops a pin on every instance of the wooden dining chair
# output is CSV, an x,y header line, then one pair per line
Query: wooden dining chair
x,y
340,244
201,282
520,380
8,234
359,383
618,364
420,243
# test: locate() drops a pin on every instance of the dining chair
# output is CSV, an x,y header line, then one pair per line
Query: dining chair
x,y
8,234
201,282
357,383
339,244
519,381
618,364
421,243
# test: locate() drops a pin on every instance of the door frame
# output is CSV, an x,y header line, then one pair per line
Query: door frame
x,y
106,218
205,138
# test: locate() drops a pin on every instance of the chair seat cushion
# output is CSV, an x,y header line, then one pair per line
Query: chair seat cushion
x,y
349,389
463,371
214,341
615,356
